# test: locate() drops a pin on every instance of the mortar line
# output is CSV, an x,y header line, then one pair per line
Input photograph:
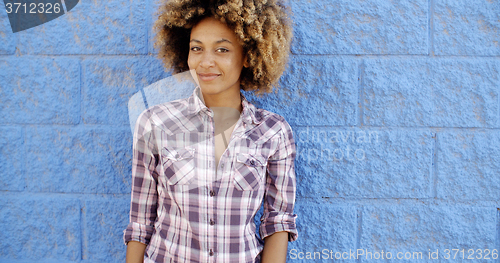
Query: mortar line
x,y
485,203
431,28
148,24
433,170
327,55
25,152
412,128
361,70
16,43
81,91
401,200
395,55
498,232
66,125
360,230
69,194
83,232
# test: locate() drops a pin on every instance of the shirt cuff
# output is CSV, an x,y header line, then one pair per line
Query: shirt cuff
x,y
276,222
137,232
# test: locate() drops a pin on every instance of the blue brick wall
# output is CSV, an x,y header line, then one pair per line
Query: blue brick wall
x,y
395,109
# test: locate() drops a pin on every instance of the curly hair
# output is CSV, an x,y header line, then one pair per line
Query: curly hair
x,y
263,28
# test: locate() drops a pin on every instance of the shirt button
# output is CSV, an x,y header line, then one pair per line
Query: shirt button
x,y
177,155
211,252
212,222
212,193
252,162
222,166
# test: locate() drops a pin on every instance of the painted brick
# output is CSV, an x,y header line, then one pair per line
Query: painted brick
x,y
425,92
307,85
367,163
406,190
360,27
468,165
397,92
12,163
424,228
467,27
153,8
109,84
338,234
466,93
149,70
7,38
79,160
92,27
39,227
49,260
39,90
105,219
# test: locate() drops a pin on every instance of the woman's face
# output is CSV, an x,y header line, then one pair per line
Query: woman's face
x,y
216,56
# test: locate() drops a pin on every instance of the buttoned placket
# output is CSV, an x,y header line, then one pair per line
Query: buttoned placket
x,y
210,248
212,215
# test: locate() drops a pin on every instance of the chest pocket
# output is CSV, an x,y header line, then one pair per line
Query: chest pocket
x,y
178,165
249,171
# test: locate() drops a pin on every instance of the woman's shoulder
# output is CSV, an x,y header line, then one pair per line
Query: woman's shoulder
x,y
272,123
263,115
166,108
164,114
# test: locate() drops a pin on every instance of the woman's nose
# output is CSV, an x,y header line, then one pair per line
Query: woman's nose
x,y
207,60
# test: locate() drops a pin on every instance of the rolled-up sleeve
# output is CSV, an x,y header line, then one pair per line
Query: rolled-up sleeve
x,y
279,198
144,179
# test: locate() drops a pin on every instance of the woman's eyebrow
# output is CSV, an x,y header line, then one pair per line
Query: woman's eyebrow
x,y
217,42
223,40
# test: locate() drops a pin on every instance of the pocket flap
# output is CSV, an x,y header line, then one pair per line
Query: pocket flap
x,y
177,154
251,160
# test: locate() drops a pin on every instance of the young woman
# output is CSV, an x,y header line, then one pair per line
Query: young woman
x,y
203,166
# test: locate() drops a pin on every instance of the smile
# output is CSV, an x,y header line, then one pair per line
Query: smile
x,y
208,76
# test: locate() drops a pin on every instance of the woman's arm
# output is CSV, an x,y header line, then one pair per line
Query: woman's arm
x,y
275,248
143,195
135,252
278,220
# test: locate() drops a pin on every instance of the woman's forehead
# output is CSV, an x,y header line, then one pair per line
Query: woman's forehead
x,y
213,31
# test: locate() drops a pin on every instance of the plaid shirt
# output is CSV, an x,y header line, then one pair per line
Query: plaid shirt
x,y
186,209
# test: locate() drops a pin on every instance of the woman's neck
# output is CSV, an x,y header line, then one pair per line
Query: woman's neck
x,y
223,102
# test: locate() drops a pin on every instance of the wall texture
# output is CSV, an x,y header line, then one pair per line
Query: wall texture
x,y
395,109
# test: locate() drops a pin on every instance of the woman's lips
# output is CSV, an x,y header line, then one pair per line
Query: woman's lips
x,y
208,76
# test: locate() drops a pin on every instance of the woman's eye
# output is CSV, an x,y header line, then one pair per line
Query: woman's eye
x,y
195,49
222,50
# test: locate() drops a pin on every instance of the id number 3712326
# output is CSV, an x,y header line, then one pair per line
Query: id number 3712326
x,y
33,8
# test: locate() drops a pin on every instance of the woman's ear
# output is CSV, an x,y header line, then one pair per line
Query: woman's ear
x,y
245,62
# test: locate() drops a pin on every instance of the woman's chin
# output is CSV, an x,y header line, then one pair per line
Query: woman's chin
x,y
209,89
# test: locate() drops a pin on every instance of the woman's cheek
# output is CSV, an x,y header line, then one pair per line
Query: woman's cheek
x,y
190,62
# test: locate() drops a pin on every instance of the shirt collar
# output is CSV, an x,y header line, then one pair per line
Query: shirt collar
x,y
197,104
